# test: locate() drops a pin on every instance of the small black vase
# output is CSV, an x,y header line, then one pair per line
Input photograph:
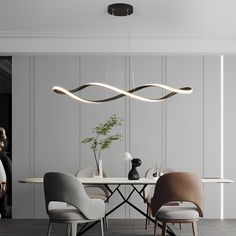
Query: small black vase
x,y
133,174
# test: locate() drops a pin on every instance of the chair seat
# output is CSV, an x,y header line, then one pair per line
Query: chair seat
x,y
177,213
65,213
69,213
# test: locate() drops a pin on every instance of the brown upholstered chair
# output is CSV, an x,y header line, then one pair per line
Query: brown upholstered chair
x,y
182,187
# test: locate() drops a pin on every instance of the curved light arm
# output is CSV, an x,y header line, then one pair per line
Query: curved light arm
x,y
122,93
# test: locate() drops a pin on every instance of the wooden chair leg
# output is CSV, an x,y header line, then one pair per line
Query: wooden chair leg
x,y
164,226
146,221
149,214
194,226
155,228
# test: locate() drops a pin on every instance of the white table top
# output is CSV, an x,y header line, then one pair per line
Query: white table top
x,y
124,181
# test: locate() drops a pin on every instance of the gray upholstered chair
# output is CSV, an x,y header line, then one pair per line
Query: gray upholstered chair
x,y
78,207
94,191
182,187
149,190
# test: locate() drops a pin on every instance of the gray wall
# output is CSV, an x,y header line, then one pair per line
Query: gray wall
x,y
183,132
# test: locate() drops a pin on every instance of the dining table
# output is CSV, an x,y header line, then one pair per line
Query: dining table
x,y
114,184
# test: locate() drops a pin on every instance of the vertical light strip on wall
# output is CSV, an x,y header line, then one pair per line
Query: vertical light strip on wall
x,y
78,133
222,135
163,110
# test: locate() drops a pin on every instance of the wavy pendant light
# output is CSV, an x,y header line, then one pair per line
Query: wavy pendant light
x,y
121,9
122,93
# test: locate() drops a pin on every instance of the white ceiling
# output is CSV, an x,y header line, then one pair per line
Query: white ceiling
x,y
198,17
172,18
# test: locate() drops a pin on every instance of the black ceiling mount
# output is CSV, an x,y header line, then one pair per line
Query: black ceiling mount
x,y
120,9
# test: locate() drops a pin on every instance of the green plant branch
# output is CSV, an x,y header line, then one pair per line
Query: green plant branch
x,y
102,140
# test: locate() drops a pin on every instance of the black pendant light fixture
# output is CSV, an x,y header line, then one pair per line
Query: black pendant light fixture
x,y
121,9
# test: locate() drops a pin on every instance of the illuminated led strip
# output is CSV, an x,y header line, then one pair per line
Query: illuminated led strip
x,y
222,135
122,93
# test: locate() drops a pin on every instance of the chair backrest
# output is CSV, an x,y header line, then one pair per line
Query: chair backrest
x,y
88,172
62,187
149,173
178,186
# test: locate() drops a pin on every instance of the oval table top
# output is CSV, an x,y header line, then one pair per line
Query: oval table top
x,y
124,181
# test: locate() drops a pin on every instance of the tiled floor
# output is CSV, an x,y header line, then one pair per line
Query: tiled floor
x,y
116,228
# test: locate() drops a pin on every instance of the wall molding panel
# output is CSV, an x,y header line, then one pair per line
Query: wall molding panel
x,y
23,135
90,43
229,133
183,132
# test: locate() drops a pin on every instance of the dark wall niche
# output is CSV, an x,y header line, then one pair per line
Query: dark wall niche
x,y
6,98
6,123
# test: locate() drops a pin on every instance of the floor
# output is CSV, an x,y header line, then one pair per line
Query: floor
x,y
116,228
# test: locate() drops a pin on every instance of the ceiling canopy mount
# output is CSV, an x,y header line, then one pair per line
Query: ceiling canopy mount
x,y
120,9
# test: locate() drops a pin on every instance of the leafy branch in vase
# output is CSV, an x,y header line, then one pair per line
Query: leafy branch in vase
x,y
102,138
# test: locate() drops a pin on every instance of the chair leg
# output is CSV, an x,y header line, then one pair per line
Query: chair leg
x,y
147,212
68,229
73,229
164,226
107,225
49,228
194,226
155,228
105,222
102,232
180,226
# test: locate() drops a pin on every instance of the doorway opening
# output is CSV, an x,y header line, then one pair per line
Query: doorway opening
x,y
6,123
